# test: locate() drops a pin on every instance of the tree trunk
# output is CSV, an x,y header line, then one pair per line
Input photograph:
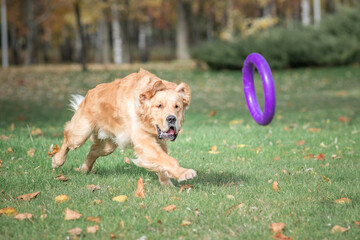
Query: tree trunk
x,y
270,9
305,12
4,36
317,12
116,34
14,45
30,23
182,44
81,33
105,38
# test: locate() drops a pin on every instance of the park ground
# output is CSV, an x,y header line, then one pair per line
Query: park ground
x,y
311,150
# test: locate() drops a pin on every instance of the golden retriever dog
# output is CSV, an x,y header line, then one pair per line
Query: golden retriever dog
x,y
140,111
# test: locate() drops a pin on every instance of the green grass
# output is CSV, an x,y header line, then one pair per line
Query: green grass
x,y
239,173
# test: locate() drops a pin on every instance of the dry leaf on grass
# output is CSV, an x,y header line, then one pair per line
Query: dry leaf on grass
x,y
53,150
1,161
71,215
300,143
339,229
314,129
93,187
92,229
112,235
344,119
8,211
280,236
185,223
28,196
213,150
94,219
75,231
326,178
170,208
61,198
212,113
37,132
237,206
61,178
321,156
31,152
343,200
9,150
120,198
275,186
187,186
277,227
277,158
140,192
148,219
23,216
127,160
357,223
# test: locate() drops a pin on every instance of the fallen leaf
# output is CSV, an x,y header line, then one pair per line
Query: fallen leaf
x,y
94,219
112,235
148,219
97,201
277,158
9,150
241,145
140,192
176,198
53,150
343,200
4,138
339,229
28,196
321,156
326,178
23,216
280,236
213,150
357,223
309,156
240,205
61,178
31,152
170,208
285,172
277,227
275,186
71,215
185,223
186,186
61,198
1,161
286,129
127,160
8,211
258,150
37,132
300,143
344,119
93,187
92,229
43,216
314,129
75,231
120,198
77,169
230,197
212,113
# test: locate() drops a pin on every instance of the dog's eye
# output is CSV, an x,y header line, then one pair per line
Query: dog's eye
x,y
159,106
176,106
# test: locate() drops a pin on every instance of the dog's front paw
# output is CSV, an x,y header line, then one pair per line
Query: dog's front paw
x,y
187,174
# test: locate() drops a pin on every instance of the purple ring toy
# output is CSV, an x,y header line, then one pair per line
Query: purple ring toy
x,y
258,61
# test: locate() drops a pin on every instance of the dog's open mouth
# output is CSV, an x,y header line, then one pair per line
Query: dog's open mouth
x,y
171,134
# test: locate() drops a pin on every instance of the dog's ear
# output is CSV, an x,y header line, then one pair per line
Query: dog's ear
x,y
184,90
151,90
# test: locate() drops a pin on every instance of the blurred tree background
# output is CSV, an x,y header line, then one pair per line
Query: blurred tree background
x,y
289,33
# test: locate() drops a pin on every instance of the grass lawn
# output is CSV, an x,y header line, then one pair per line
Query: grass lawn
x,y
311,149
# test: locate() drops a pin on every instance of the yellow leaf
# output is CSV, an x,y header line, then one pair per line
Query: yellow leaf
x,y
343,200
8,211
61,178
120,198
148,219
241,145
94,219
61,198
53,150
170,208
213,150
185,223
339,229
230,197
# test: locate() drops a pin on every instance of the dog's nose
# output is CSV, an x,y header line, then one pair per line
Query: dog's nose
x,y
171,119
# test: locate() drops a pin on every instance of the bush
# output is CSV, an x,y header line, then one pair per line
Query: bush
x,y
335,42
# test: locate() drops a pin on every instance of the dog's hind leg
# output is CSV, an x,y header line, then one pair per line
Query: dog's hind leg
x,y
98,149
76,132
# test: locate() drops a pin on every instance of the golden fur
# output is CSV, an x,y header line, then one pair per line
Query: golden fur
x,y
139,111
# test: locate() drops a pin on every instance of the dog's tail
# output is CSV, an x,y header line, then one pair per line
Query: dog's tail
x,y
75,101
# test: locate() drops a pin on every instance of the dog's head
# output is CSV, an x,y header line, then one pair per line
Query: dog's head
x,y
162,107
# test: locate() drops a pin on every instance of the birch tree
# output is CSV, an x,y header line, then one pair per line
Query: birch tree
x,y
305,12
317,12
116,35
4,35
182,44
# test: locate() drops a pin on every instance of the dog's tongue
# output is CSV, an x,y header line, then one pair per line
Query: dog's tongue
x,y
171,131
